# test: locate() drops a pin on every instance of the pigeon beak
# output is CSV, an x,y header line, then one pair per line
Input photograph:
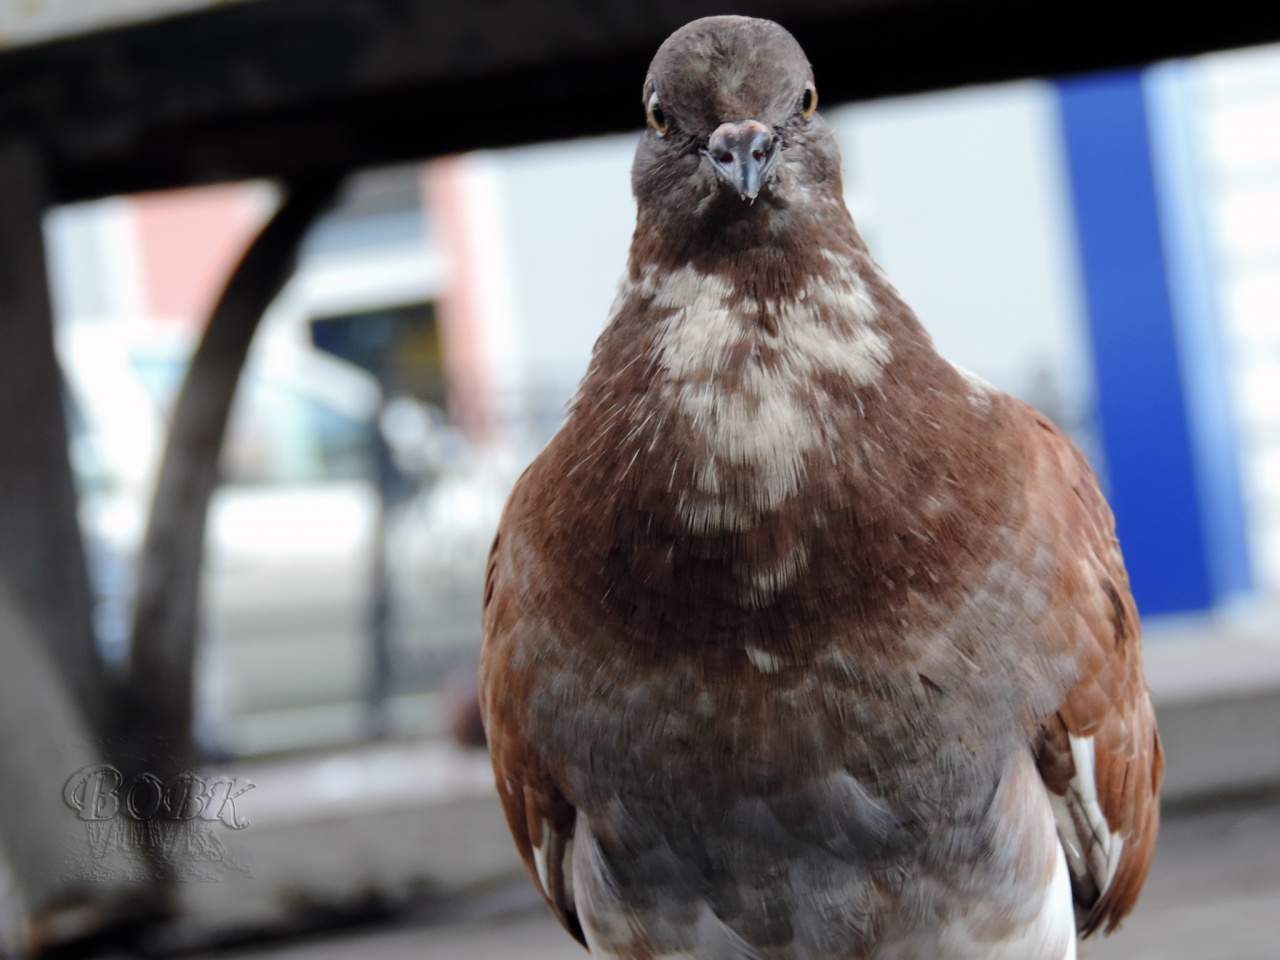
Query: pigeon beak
x,y
742,155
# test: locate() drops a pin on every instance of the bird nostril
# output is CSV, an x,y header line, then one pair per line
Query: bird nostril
x,y
757,154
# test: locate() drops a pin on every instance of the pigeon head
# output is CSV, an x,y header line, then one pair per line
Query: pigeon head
x,y
732,121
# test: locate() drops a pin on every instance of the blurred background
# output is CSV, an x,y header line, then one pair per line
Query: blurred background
x,y
1095,229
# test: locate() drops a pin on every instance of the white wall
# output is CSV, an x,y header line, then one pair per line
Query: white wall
x,y
1237,109
962,197
568,215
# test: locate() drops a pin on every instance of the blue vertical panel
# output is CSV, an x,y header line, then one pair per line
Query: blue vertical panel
x,y
1143,422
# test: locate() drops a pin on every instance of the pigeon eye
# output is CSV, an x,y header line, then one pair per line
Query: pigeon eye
x,y
809,102
657,116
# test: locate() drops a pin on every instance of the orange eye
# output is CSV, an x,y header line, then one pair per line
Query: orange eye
x,y
657,116
809,103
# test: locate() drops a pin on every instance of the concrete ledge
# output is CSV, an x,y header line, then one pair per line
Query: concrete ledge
x,y
377,827
1216,687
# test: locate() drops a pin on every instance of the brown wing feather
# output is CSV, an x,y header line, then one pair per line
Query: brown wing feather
x,y
1108,708
541,819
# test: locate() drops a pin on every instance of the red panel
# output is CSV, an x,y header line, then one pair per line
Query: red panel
x,y
188,242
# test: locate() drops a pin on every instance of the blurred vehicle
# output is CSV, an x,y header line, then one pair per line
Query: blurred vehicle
x,y
288,577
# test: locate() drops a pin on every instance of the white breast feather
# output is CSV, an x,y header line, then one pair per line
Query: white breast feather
x,y
765,428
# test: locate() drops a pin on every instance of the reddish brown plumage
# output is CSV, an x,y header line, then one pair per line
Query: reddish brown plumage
x,y
784,621
1108,702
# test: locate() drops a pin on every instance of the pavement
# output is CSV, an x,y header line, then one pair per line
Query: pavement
x,y
1213,894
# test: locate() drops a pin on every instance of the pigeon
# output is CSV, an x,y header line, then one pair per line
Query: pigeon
x,y
801,643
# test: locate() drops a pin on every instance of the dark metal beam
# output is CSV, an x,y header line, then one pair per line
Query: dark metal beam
x,y
281,88
41,554
157,701
52,696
